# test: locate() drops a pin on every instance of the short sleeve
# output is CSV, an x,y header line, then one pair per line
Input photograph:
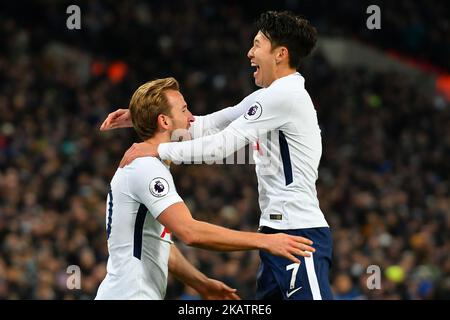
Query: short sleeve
x,y
151,183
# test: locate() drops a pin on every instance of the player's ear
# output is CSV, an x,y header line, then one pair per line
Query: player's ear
x,y
282,53
163,121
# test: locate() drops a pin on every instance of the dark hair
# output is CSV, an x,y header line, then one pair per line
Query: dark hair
x,y
288,30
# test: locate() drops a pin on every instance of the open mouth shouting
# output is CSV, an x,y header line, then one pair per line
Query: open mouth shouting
x,y
257,69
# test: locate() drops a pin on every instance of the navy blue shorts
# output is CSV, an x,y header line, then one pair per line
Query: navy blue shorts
x,y
281,279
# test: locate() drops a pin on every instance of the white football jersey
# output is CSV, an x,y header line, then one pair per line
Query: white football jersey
x,y
281,123
138,245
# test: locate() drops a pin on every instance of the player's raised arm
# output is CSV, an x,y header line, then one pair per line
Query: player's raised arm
x,y
208,288
178,219
261,117
203,125
219,120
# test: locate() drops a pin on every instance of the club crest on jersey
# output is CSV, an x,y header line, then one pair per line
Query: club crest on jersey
x,y
254,112
159,187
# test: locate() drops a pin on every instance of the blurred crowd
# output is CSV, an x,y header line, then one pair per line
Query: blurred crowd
x,y
383,179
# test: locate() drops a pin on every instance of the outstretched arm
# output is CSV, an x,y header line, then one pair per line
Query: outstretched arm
x,y
208,288
219,120
178,219
203,125
268,114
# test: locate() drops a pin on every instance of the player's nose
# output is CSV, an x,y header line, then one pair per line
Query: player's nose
x,y
250,54
190,117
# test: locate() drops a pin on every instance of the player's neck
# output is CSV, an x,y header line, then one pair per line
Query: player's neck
x,y
160,137
157,139
284,71
278,73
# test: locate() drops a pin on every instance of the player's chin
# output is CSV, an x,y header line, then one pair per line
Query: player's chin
x,y
258,82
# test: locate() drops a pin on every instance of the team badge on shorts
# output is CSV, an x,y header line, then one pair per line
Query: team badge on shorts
x,y
254,112
159,187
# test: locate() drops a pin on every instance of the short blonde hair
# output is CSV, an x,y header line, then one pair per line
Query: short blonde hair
x,y
148,102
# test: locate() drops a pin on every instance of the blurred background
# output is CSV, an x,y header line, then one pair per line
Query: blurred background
x,y
383,102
